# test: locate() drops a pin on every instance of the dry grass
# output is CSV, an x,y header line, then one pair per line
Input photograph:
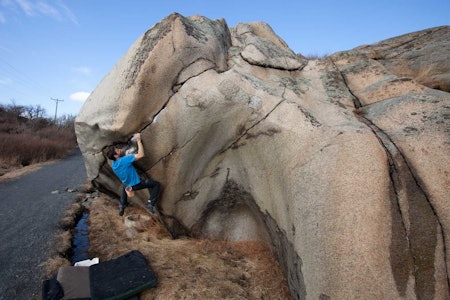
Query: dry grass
x,y
29,148
62,242
59,257
314,56
187,268
73,213
9,171
52,265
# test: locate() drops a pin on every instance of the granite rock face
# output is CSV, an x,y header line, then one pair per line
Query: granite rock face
x,y
341,163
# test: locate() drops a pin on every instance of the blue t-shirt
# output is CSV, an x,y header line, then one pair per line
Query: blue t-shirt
x,y
124,169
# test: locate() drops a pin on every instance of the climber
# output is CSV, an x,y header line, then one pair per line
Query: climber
x,y
122,166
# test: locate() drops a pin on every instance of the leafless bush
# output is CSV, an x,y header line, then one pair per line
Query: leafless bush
x,y
27,137
26,148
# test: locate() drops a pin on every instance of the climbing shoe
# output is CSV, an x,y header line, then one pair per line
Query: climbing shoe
x,y
151,206
122,209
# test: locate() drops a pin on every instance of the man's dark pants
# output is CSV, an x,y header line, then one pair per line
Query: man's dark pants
x,y
153,187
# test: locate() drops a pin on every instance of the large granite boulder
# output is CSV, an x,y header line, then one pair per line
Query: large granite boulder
x,y
341,164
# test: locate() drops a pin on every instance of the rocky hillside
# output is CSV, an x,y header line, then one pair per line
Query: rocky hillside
x,y
341,164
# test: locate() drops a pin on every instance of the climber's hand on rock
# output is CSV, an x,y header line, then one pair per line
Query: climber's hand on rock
x,y
137,137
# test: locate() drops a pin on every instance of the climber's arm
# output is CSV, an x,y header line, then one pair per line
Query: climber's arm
x,y
140,154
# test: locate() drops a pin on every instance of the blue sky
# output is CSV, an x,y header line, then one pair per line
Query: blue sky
x,y
55,49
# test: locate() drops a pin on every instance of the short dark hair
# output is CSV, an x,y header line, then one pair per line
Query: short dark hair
x,y
111,152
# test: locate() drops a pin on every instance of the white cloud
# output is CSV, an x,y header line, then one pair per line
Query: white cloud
x,y
2,19
26,7
83,70
5,81
79,96
68,12
54,9
47,9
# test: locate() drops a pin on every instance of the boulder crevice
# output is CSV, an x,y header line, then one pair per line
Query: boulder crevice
x,y
421,223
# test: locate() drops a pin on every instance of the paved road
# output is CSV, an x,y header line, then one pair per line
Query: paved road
x,y
29,214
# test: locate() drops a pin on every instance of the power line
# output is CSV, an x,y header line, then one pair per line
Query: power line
x,y
21,77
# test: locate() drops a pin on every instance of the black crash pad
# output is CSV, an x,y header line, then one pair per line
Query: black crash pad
x,y
122,277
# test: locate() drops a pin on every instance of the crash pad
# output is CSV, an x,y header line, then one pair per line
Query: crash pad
x,y
74,281
122,277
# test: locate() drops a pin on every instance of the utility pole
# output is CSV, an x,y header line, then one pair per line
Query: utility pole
x,y
56,110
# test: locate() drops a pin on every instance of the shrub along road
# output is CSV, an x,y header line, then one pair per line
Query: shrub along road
x,y
30,210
